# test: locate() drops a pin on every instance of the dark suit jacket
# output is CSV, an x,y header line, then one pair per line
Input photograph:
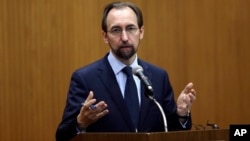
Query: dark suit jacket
x,y
99,78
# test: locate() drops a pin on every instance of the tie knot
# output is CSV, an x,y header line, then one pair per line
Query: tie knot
x,y
128,71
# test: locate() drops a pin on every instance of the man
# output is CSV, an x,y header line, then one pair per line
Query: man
x,y
96,97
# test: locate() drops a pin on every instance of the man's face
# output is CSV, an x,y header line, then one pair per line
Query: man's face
x,y
123,34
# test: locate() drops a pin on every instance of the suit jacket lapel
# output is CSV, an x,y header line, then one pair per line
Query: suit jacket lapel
x,y
146,103
109,81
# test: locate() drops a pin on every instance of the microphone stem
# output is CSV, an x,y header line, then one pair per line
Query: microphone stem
x,y
162,113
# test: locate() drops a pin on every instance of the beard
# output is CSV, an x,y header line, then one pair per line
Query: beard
x,y
124,52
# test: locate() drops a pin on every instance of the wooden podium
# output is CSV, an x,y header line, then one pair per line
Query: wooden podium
x,y
192,135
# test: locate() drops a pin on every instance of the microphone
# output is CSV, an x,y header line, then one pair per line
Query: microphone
x,y
138,71
214,126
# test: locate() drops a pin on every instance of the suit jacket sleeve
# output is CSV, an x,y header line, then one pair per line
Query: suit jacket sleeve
x,y
68,126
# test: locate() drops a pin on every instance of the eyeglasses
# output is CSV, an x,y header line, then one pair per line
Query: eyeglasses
x,y
118,31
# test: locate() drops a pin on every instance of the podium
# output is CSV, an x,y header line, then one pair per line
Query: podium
x,y
191,135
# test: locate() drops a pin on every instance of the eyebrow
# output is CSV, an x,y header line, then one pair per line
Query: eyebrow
x,y
130,25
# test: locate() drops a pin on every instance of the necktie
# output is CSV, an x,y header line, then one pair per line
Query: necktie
x,y
131,96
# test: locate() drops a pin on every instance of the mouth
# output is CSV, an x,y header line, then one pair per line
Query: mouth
x,y
126,46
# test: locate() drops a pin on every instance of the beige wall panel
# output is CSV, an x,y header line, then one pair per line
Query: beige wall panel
x,y
43,41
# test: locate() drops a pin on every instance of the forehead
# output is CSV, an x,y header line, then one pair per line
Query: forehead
x,y
121,17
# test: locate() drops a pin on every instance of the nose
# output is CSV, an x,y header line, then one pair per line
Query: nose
x,y
124,35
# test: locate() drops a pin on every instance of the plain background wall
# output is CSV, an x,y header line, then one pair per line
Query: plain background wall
x,y
43,41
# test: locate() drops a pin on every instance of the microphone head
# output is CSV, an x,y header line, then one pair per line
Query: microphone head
x,y
137,69
149,92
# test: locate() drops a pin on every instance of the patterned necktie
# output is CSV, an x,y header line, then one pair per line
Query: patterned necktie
x,y
131,96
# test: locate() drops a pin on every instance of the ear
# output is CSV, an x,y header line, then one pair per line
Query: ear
x,y
141,32
104,37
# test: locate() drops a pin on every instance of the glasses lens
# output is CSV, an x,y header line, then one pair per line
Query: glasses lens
x,y
118,31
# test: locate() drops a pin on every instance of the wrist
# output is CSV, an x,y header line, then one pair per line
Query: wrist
x,y
80,129
184,116
81,126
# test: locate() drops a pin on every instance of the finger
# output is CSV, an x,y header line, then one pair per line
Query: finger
x,y
92,107
100,111
192,98
187,100
89,105
101,114
100,107
89,101
93,110
188,88
90,96
192,95
193,92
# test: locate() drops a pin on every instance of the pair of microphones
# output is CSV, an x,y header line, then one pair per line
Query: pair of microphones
x,y
149,91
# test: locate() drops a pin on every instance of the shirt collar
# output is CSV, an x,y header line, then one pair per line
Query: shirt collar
x,y
117,65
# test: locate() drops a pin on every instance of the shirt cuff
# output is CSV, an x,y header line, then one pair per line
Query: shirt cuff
x,y
184,124
80,131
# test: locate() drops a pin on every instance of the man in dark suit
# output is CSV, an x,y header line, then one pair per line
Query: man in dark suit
x,y
95,101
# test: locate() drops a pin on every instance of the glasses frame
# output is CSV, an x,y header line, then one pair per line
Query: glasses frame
x,y
117,31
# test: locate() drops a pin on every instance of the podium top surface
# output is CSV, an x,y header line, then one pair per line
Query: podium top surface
x,y
191,135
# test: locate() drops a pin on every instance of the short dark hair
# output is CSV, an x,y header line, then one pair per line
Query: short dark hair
x,y
119,5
